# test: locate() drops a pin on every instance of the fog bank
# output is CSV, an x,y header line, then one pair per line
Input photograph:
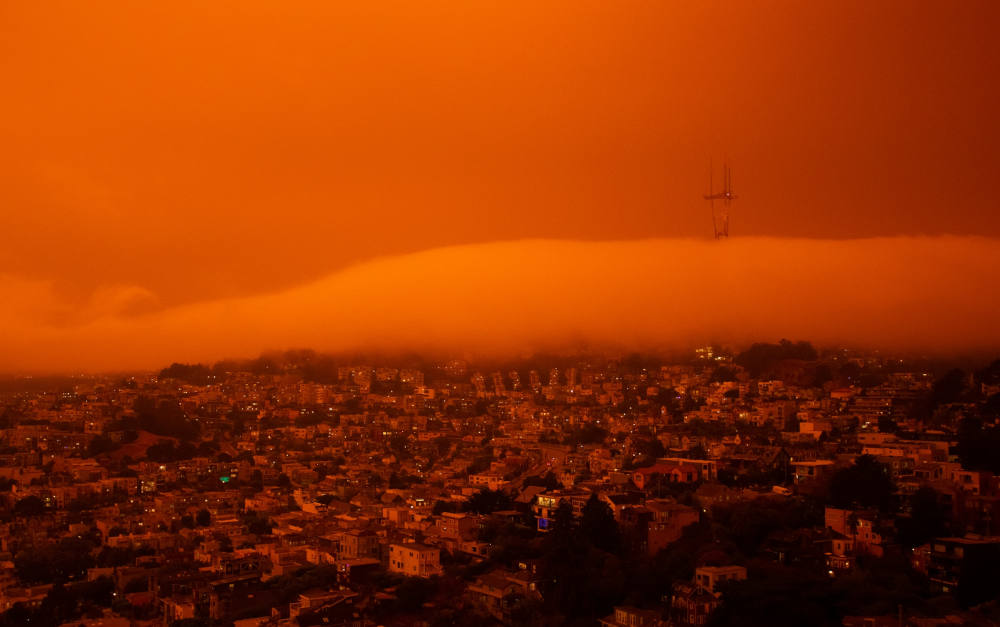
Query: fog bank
x,y
935,294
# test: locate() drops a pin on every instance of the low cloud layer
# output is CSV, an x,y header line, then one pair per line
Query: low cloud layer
x,y
934,294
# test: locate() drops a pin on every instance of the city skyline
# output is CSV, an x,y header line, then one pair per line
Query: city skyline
x,y
380,313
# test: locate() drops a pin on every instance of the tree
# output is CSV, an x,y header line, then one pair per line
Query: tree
x,y
526,611
487,501
949,388
257,524
977,445
203,518
887,425
722,374
29,506
650,447
589,433
695,452
762,358
822,375
441,507
165,418
991,408
414,592
257,480
167,451
549,481
284,482
196,374
990,375
598,525
779,597
749,523
101,445
579,580
927,519
866,483
564,521
67,559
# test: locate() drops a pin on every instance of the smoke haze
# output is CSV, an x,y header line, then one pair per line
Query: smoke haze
x,y
208,150
934,294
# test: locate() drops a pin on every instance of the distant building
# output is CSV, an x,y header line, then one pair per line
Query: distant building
x,y
966,567
708,578
655,475
415,560
810,470
627,616
667,523
861,528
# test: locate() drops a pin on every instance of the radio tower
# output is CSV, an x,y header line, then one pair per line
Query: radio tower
x,y
720,221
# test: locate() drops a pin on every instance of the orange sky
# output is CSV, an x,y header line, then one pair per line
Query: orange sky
x,y
159,155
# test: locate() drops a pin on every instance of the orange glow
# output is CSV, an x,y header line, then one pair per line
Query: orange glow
x,y
936,294
162,158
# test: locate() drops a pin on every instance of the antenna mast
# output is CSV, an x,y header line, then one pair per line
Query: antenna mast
x,y
720,222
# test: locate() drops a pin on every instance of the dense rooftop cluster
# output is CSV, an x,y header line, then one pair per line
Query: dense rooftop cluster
x,y
776,486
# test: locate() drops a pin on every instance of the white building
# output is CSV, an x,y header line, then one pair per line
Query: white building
x,y
415,560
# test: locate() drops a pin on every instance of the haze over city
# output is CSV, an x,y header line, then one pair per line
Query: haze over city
x,y
916,295
434,314
217,180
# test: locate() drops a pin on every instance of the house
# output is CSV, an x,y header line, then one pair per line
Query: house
x,y
358,543
312,600
804,471
177,608
691,605
708,470
495,591
628,616
415,560
548,502
618,502
841,554
652,476
667,523
967,567
453,525
862,528
708,578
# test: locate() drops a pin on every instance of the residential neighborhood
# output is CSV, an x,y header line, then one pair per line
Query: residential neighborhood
x,y
297,489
